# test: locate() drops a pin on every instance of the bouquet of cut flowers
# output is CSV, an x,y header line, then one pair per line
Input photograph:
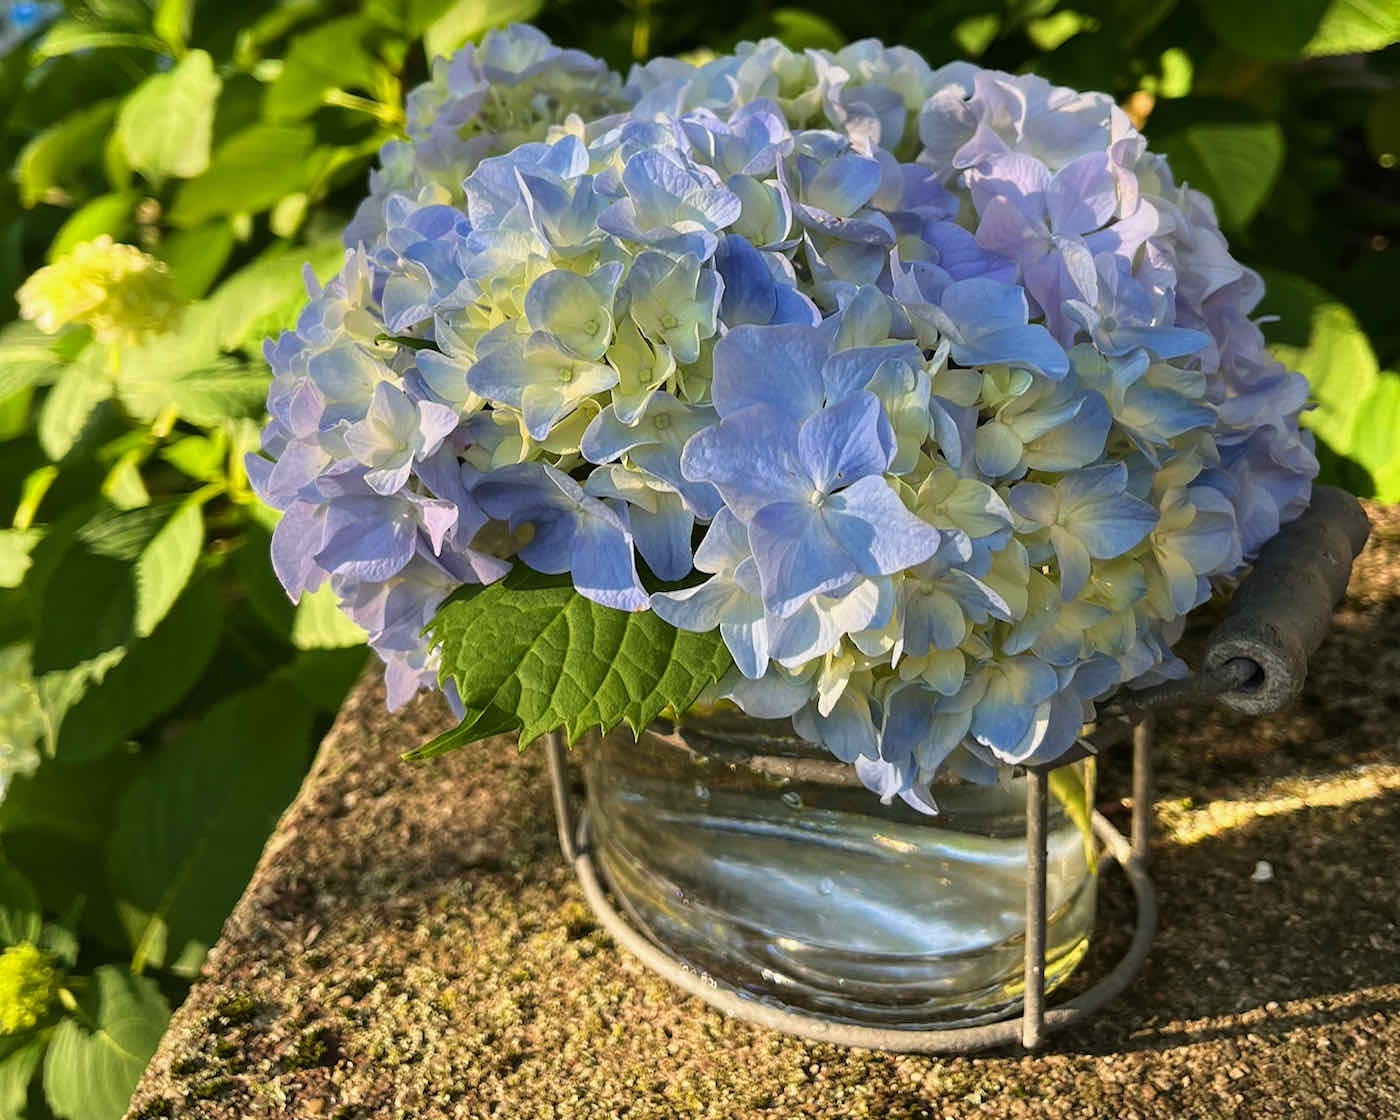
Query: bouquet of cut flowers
x,y
917,405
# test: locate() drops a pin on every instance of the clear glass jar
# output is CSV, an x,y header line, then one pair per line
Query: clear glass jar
x,y
761,861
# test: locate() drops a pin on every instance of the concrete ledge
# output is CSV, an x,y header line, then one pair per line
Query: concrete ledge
x,y
411,945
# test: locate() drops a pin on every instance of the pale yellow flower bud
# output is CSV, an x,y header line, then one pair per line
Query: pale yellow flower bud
x,y
122,293
28,984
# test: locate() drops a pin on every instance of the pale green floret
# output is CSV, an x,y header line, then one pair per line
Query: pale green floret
x,y
28,986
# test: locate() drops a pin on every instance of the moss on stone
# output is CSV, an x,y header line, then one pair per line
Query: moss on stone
x,y
315,1046
187,1066
211,1088
234,1010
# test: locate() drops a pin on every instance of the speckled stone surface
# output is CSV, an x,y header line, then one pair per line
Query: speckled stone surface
x,y
412,946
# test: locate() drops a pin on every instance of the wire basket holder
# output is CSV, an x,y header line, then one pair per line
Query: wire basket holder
x,y
1255,662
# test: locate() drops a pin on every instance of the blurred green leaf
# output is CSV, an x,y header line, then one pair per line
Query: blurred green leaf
x,y
109,213
198,457
166,564
55,824
1383,127
80,388
1234,163
15,547
265,595
324,676
333,56
19,1062
28,357
206,396
1375,437
1354,26
51,161
172,22
1280,37
165,126
265,296
96,1057
20,916
468,20
150,680
320,624
1318,336
190,829
197,256
801,29
124,486
976,33
1304,28
71,37
115,583
249,173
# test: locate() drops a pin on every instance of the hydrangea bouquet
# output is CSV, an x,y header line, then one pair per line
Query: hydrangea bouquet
x,y
919,406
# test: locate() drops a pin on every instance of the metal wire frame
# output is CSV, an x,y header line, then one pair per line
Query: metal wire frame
x,y
1255,662
1036,1020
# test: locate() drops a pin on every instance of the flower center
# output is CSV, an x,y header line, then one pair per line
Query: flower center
x,y
669,321
566,375
590,328
661,423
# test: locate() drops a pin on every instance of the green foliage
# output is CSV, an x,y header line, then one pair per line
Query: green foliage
x,y
1235,163
164,127
530,652
178,874
1357,418
159,696
97,1053
465,20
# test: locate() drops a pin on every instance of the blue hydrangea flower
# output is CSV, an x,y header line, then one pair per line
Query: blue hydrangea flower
x,y
938,378
573,531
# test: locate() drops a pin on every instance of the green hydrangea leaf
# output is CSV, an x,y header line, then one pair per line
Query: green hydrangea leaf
x,y
70,405
319,623
19,1061
332,56
1358,405
96,1057
800,30
15,547
1317,335
190,828
165,127
1304,28
114,582
1235,162
529,651
1353,27
59,157
21,918
152,678
248,174
28,357
1375,438
469,20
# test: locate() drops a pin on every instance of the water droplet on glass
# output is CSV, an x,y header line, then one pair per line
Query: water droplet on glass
x,y
702,793
826,886
792,799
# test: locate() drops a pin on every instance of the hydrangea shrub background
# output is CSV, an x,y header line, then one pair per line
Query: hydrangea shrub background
x,y
940,380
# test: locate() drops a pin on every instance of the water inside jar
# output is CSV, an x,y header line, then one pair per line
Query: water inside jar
x,y
784,878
